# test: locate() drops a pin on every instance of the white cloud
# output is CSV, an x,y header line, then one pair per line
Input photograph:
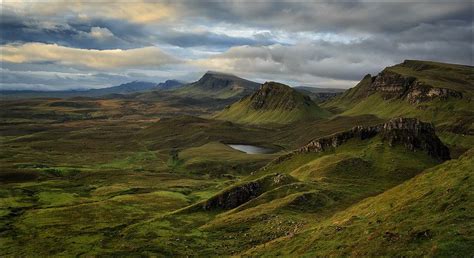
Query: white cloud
x,y
98,59
101,33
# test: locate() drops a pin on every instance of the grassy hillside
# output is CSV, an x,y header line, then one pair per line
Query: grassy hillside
x,y
148,175
451,111
429,215
281,200
436,74
273,103
366,98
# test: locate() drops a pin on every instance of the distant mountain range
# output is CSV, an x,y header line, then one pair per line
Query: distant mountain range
x,y
213,85
126,88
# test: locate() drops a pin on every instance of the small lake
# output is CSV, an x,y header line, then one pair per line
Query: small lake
x,y
251,149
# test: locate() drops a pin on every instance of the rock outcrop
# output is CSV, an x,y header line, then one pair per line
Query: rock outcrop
x,y
239,194
409,132
392,85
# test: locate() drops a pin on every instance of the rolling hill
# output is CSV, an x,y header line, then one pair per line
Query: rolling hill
x,y
428,215
220,86
286,202
388,173
272,103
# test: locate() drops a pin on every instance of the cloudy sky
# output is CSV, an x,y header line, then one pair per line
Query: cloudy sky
x,y
91,44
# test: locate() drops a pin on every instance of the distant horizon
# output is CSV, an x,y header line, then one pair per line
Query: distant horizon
x,y
79,89
187,82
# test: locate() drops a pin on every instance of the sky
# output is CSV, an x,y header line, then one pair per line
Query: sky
x,y
60,45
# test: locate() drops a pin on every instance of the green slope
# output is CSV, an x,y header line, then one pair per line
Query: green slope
x,y
283,198
429,215
273,103
368,97
393,93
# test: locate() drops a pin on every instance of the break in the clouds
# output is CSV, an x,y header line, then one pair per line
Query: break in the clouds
x,y
81,44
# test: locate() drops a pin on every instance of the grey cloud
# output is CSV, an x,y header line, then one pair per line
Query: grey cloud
x,y
207,39
334,16
344,61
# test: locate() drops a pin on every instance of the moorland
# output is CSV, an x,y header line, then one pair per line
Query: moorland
x,y
382,169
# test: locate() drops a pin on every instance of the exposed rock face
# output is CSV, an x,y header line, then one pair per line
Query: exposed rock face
x,y
414,135
234,197
240,194
396,86
272,95
409,132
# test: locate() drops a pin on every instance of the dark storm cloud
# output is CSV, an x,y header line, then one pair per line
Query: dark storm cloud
x,y
333,16
111,34
95,34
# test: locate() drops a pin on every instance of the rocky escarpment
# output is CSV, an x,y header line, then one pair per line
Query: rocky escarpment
x,y
239,194
409,132
392,85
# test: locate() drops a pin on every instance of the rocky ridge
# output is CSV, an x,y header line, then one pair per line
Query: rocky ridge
x,y
392,85
234,196
409,132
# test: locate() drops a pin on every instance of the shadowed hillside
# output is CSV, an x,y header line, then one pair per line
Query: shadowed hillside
x,y
219,85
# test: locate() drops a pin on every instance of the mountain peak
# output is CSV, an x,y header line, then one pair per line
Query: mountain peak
x,y
222,79
274,95
220,85
211,72
273,102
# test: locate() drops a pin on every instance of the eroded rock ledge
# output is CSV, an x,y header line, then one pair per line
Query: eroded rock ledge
x,y
392,85
236,195
409,132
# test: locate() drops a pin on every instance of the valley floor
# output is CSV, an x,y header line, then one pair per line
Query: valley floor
x,y
118,177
